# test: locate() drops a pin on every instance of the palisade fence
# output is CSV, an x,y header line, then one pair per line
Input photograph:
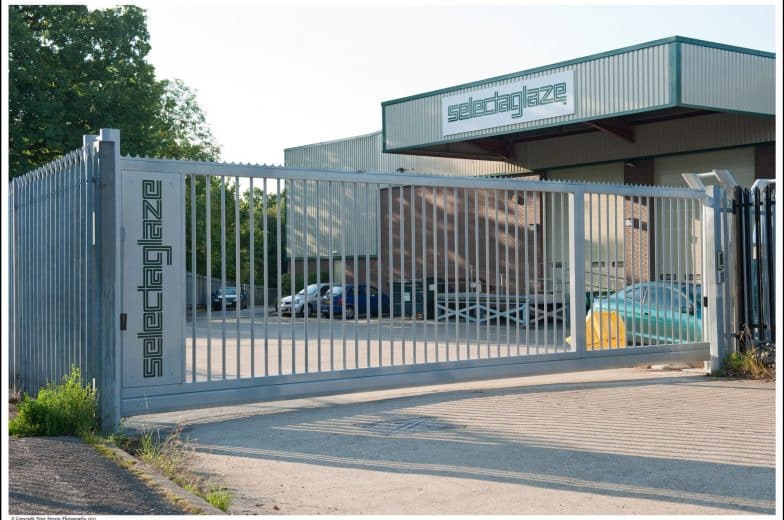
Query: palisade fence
x,y
755,232
104,250
61,288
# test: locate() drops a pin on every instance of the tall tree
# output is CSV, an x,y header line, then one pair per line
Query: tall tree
x,y
73,71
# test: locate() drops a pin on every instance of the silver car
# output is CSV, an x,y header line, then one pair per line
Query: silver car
x,y
314,293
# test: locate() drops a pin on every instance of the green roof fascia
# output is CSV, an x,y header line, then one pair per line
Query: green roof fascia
x,y
723,47
591,57
507,132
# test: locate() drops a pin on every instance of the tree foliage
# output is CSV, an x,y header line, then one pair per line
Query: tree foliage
x,y
73,71
220,257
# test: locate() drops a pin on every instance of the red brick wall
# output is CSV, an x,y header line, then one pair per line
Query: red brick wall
x,y
477,216
765,161
638,237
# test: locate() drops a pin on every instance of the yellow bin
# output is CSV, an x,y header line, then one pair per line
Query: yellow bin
x,y
603,330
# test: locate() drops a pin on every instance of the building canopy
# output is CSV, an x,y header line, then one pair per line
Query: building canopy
x,y
625,95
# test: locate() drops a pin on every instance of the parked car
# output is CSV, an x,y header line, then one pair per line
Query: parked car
x,y
313,299
231,299
657,313
356,299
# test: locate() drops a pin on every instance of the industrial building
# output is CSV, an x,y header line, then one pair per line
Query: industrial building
x,y
638,115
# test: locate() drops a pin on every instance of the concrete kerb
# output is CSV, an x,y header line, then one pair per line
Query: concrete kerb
x,y
193,503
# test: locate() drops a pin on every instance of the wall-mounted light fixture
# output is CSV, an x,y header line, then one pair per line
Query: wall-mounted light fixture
x,y
630,164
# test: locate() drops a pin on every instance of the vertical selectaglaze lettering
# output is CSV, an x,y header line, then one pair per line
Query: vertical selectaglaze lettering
x,y
510,103
154,256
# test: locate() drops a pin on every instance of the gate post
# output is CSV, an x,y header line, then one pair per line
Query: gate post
x,y
715,275
108,243
577,269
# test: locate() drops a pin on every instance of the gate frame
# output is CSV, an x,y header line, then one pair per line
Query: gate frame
x,y
185,395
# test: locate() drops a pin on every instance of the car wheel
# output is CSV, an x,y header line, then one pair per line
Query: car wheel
x,y
349,313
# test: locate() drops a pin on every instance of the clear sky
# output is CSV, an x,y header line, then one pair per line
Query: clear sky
x,y
272,76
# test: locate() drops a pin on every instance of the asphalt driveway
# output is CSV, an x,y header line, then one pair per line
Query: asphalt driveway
x,y
623,441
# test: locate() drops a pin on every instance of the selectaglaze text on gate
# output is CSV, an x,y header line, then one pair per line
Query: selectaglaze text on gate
x,y
154,255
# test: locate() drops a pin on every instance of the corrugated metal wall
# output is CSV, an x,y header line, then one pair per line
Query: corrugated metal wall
x,y
318,210
666,137
355,153
723,79
351,216
364,153
633,80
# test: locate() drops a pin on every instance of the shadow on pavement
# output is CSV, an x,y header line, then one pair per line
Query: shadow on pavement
x,y
682,439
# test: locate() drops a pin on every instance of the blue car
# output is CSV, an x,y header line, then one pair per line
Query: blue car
x,y
356,299
656,313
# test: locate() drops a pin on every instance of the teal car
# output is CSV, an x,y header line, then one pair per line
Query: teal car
x,y
657,313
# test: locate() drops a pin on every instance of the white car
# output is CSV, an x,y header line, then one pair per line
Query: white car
x,y
314,293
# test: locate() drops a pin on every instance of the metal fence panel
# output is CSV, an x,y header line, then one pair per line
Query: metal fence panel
x,y
51,293
64,231
753,210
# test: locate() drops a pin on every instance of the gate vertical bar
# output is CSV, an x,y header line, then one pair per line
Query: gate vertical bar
x,y
194,271
252,272
208,269
223,274
237,274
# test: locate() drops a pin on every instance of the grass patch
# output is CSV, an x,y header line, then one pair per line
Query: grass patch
x,y
69,408
746,365
169,453
219,497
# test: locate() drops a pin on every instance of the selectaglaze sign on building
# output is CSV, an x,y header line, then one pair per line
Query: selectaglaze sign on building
x,y
508,104
153,277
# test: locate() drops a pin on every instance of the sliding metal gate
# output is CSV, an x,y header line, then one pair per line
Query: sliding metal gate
x,y
489,292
